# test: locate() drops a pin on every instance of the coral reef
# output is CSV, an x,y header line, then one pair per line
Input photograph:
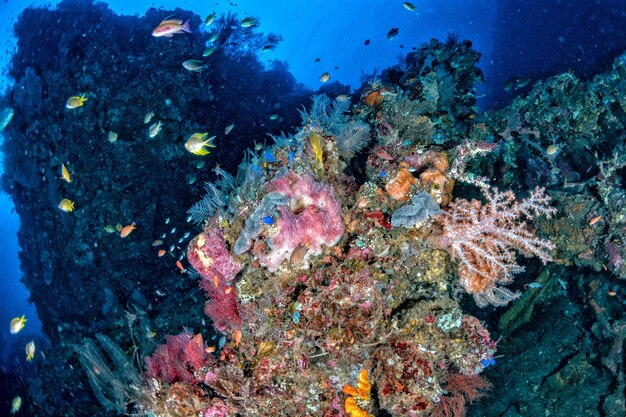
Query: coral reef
x,y
331,263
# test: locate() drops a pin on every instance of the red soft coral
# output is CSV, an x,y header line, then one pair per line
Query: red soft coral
x,y
209,255
178,359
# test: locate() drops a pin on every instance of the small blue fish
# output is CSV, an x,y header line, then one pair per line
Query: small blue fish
x,y
269,157
487,362
534,285
296,317
383,174
268,220
256,168
291,156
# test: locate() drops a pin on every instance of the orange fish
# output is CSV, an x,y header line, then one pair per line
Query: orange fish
x,y
210,349
237,337
169,27
215,281
126,230
161,252
181,267
595,220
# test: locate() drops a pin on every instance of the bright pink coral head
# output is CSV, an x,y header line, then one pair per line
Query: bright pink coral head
x,y
313,218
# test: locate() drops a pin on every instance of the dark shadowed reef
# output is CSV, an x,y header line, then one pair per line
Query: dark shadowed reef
x,y
377,185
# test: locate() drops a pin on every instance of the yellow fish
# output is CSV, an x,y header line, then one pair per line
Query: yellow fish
x,y
148,117
30,350
65,174
17,324
196,143
16,404
75,101
66,205
316,143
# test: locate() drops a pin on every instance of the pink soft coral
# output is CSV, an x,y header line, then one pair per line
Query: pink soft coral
x,y
208,254
484,239
313,218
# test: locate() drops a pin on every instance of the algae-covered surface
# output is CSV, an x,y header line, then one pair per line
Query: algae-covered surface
x,y
204,236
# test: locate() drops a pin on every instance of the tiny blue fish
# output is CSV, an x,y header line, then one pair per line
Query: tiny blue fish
x,y
487,362
291,156
268,220
269,157
534,285
383,174
256,168
222,342
296,317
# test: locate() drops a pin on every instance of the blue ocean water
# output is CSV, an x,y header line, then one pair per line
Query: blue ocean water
x,y
520,42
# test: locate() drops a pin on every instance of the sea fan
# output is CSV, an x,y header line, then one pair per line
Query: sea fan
x,y
330,116
327,114
283,141
353,138
212,201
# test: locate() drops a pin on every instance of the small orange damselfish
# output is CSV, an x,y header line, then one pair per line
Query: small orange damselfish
x,y
181,267
127,230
